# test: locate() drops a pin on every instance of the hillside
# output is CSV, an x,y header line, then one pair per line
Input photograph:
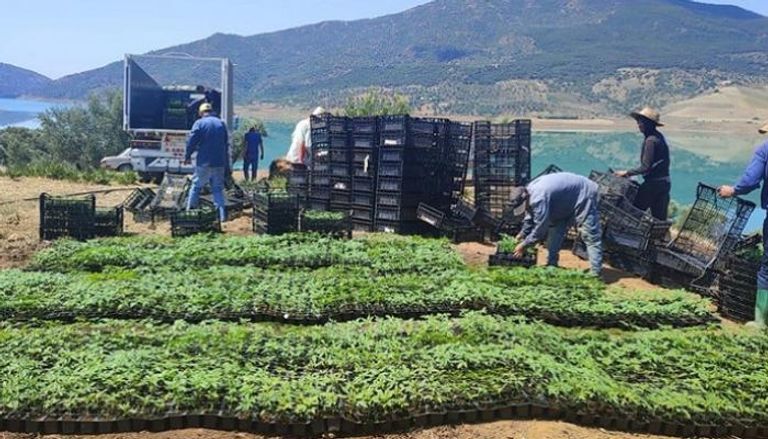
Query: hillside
x,y
545,57
15,81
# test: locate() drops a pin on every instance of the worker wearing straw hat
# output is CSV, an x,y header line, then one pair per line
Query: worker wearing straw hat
x,y
755,174
654,165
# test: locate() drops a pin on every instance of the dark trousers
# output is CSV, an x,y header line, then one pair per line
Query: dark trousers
x,y
654,195
762,274
253,165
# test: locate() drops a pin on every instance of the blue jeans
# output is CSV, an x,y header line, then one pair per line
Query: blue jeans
x,y
214,176
253,166
590,231
762,275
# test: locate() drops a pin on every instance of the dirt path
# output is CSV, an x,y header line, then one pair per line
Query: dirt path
x,y
496,430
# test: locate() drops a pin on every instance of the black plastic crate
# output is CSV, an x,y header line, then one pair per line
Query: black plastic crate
x,y
330,123
233,208
108,221
390,214
318,203
139,199
172,193
510,260
341,197
712,229
364,141
363,171
612,185
363,199
321,168
360,213
337,227
364,125
430,215
194,221
362,226
71,217
388,124
627,226
320,180
389,184
391,155
328,155
328,140
339,183
364,156
266,202
390,170
340,170
363,184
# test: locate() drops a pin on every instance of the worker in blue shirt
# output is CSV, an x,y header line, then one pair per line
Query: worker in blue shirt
x,y
559,201
209,138
253,152
755,174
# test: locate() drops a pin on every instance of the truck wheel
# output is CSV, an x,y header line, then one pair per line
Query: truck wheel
x,y
125,168
158,178
144,177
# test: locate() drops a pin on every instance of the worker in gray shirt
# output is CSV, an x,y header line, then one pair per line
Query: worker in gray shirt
x,y
554,202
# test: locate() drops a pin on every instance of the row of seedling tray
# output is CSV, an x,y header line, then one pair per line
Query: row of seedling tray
x,y
341,426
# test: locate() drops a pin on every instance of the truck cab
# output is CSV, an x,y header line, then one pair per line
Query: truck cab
x,y
162,96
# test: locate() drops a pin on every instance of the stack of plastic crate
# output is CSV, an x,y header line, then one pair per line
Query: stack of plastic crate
x,y
502,161
456,163
330,162
71,217
410,154
275,213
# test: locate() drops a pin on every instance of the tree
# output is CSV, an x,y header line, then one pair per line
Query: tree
x,y
238,142
82,136
377,102
20,146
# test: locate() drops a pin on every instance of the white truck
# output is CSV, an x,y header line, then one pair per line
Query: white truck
x,y
162,94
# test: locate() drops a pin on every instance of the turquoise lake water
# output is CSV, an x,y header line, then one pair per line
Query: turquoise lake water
x,y
578,152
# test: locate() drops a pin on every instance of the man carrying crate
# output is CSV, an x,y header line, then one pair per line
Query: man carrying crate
x,y
209,138
755,174
560,200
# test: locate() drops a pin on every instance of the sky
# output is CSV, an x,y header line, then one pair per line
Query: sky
x,y
61,37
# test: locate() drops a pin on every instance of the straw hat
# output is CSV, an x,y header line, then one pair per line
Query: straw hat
x,y
648,113
763,129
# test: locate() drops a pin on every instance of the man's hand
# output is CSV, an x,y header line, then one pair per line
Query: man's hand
x,y
726,191
621,174
262,157
520,251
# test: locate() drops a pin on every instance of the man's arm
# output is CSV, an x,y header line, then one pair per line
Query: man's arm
x,y
754,173
192,142
261,147
540,223
648,158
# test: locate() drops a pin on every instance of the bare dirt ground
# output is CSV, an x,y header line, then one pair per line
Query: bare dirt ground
x,y
496,430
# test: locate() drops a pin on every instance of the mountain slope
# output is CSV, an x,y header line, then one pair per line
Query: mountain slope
x,y
15,81
470,55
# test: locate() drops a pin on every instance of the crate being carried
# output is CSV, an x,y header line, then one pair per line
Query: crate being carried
x,y
626,226
71,217
194,221
712,229
611,185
